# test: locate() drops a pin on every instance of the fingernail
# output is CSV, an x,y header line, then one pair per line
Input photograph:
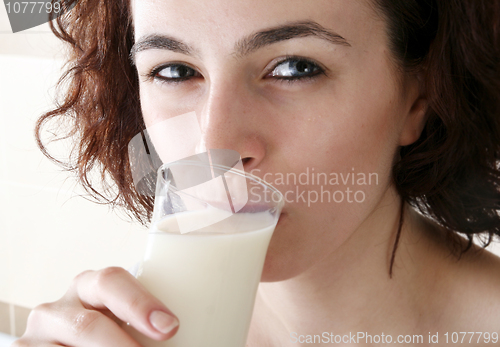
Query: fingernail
x,y
163,322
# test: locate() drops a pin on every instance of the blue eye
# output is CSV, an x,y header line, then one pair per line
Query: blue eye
x,y
296,68
174,73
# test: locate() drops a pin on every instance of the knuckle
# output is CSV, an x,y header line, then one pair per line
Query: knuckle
x,y
21,343
39,313
85,321
78,278
108,275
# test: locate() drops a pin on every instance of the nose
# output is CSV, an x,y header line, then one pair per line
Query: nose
x,y
230,118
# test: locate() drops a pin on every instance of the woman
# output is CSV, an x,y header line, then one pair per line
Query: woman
x,y
407,91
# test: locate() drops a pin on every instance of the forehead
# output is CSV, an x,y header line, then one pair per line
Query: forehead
x,y
221,23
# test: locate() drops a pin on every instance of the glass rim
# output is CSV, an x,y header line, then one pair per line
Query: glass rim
x,y
248,175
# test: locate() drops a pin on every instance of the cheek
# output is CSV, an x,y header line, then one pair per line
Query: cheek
x,y
362,117
348,129
152,111
159,103
341,129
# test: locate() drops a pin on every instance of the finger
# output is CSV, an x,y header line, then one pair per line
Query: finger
x,y
75,326
25,343
118,291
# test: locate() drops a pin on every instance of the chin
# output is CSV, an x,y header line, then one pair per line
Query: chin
x,y
284,258
278,268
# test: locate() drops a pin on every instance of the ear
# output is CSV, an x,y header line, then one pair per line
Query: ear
x,y
415,113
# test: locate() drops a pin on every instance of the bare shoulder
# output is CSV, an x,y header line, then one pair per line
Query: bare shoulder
x,y
474,292
464,289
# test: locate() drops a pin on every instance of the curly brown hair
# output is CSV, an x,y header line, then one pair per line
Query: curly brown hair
x,y
451,173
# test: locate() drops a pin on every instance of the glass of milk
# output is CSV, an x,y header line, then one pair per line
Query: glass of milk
x,y
210,231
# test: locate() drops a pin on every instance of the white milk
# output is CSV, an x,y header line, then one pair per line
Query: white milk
x,y
208,278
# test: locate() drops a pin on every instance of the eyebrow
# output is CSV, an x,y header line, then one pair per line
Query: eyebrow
x,y
156,41
287,32
246,45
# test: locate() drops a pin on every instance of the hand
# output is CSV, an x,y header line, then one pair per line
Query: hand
x,y
92,310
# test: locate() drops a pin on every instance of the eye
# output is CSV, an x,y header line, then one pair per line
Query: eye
x,y
294,68
174,73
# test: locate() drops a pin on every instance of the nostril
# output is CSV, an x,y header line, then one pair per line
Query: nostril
x,y
246,160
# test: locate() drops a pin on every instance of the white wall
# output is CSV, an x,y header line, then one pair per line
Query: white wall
x,y
48,233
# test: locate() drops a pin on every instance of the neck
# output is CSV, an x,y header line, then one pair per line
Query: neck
x,y
351,290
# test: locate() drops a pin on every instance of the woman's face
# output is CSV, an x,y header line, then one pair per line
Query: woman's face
x,y
301,89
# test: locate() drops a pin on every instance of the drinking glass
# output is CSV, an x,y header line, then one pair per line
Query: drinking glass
x,y
207,244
